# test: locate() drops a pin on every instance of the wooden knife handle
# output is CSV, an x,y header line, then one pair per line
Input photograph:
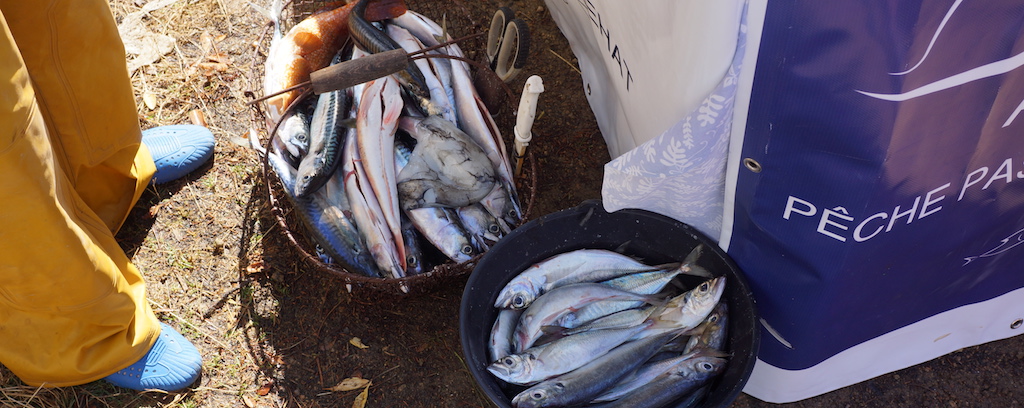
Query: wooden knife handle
x,y
357,71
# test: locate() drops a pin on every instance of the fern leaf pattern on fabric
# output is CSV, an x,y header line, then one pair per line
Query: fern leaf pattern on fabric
x,y
681,173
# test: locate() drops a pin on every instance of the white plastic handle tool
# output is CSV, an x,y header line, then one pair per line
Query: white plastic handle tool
x,y
524,118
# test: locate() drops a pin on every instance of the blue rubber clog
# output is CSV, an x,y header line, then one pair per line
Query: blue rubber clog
x,y
177,149
172,364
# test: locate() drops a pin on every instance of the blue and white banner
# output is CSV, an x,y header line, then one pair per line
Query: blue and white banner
x,y
870,175
876,190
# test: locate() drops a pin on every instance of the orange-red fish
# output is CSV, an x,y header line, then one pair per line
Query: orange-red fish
x,y
309,46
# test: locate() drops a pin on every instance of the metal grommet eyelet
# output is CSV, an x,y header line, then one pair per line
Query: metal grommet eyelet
x,y
752,165
1016,324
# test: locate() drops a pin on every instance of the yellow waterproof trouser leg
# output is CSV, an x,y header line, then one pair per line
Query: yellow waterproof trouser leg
x,y
73,308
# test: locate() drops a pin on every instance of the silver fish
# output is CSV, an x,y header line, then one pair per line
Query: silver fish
x,y
689,309
560,356
438,96
477,122
617,320
647,283
429,33
377,121
441,227
586,382
325,142
293,134
481,225
414,262
446,168
550,307
673,384
713,333
500,204
583,265
501,333
367,214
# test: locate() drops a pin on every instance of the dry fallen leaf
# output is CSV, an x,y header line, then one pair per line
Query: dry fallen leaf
x,y
205,42
212,68
255,267
150,99
197,117
422,347
221,58
349,384
360,401
358,343
265,389
248,401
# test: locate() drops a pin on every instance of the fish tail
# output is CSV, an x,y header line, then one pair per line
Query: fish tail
x,y
276,8
272,13
694,254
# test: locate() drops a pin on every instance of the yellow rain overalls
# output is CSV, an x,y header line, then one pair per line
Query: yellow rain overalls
x,y
73,308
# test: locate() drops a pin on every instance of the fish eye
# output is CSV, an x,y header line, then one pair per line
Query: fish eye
x,y
493,228
704,287
508,361
537,395
706,366
713,319
518,301
467,250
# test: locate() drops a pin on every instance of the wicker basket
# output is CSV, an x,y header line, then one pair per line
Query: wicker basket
x,y
294,231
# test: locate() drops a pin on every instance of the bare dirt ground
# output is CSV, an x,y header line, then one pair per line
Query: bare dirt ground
x,y
276,333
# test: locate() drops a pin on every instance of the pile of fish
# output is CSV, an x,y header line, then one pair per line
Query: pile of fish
x,y
595,327
378,170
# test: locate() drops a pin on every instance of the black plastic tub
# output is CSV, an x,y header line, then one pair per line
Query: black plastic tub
x,y
650,237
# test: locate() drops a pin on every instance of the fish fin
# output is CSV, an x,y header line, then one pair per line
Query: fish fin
x,y
255,143
444,29
694,254
677,344
551,328
695,270
272,13
656,319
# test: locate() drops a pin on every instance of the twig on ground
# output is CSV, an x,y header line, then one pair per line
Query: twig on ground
x,y
566,62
